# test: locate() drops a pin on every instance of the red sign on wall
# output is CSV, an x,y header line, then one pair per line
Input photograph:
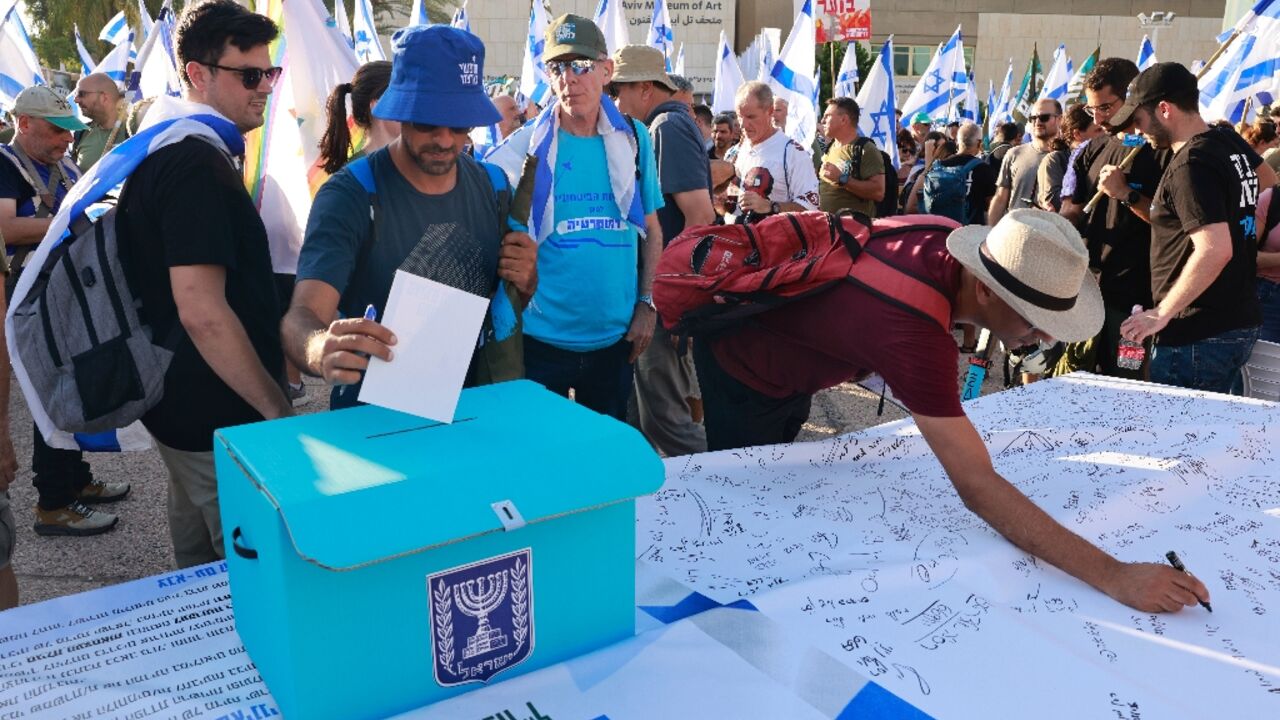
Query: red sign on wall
x,y
843,20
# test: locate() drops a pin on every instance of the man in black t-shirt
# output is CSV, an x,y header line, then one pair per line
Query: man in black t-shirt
x,y
196,253
1203,241
1117,232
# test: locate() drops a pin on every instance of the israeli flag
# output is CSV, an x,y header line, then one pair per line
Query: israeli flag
x,y
19,68
991,105
116,64
116,30
342,22
144,18
417,14
678,67
612,21
792,77
999,112
534,83
938,87
156,72
965,107
1146,54
876,100
87,63
1058,77
1250,68
460,19
661,36
364,37
728,77
847,76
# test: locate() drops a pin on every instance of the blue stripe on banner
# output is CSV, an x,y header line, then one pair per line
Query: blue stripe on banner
x,y
693,604
98,442
875,703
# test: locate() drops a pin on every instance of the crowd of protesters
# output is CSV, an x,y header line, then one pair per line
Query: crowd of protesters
x,y
1184,245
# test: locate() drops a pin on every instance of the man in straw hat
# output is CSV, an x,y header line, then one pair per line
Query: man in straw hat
x,y
664,374
1026,279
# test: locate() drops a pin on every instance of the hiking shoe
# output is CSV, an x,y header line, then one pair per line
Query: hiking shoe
x,y
74,519
297,394
103,492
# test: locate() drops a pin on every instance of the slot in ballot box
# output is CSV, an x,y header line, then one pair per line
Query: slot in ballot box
x,y
380,562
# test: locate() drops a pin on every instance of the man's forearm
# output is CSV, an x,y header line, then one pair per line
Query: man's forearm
x,y
303,334
870,189
1268,260
999,204
23,230
1142,208
222,342
650,253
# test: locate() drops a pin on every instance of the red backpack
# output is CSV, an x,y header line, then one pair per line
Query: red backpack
x,y
711,277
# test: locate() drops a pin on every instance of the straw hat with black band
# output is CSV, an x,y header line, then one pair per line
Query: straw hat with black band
x,y
1037,263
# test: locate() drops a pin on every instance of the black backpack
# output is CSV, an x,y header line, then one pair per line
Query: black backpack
x,y
888,205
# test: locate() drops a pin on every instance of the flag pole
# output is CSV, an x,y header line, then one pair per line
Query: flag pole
x,y
1128,159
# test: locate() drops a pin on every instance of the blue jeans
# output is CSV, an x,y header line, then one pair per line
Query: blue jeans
x,y
1211,364
1269,298
601,379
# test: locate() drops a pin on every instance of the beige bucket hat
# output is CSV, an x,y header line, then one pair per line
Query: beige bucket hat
x,y
1036,262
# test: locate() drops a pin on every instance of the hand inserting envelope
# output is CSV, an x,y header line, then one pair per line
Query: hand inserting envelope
x,y
436,328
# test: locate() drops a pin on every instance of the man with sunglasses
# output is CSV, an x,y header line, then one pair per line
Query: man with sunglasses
x,y
1017,183
437,215
100,100
197,257
596,195
1118,231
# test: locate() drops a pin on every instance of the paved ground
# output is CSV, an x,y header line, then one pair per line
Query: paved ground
x,y
139,546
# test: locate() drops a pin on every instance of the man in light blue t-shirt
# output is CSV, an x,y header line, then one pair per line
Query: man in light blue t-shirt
x,y
595,218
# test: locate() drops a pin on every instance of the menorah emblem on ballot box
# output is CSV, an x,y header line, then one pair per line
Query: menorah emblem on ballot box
x,y
490,603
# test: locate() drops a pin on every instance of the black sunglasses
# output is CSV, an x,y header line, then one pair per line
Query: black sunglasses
x,y
251,77
425,128
1042,118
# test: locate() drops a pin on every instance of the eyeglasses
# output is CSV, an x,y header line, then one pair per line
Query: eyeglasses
x,y
425,128
83,93
580,67
1045,118
251,77
1103,108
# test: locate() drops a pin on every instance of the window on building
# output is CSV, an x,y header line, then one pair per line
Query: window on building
x,y
913,60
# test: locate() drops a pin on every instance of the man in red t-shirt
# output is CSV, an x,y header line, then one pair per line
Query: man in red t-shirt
x,y
1026,280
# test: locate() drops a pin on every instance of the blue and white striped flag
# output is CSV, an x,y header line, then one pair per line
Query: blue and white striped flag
x,y
116,64
612,21
678,66
876,100
940,84
144,18
728,77
661,36
1146,54
965,106
847,76
343,23
116,30
534,83
364,35
19,68
460,18
1000,112
1250,68
156,72
87,63
792,77
991,106
417,14
1058,78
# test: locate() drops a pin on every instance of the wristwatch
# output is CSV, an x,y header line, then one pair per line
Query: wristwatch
x,y
647,300
1132,198
774,208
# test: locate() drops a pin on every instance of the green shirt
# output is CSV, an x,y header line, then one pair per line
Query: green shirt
x,y
92,144
837,197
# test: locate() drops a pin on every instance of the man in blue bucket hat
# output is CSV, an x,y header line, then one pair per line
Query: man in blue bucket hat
x,y
421,205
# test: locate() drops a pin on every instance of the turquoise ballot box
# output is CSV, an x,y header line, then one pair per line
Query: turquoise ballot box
x,y
380,562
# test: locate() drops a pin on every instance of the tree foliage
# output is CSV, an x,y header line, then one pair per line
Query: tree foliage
x,y
829,66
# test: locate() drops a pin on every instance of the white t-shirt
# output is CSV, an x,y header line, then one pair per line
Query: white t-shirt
x,y
777,168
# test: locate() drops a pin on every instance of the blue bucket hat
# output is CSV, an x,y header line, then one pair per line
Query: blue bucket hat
x,y
437,78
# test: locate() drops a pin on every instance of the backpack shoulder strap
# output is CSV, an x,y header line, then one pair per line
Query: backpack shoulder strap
x,y
362,171
897,286
969,166
502,193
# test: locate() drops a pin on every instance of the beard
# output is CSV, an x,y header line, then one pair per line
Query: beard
x,y
435,166
1158,133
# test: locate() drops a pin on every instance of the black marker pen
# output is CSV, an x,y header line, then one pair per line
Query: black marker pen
x,y
1177,565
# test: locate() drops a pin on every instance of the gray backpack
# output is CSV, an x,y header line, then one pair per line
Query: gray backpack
x,y
85,350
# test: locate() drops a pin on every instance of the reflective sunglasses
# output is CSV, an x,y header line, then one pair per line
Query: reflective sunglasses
x,y
251,77
1042,118
425,128
581,66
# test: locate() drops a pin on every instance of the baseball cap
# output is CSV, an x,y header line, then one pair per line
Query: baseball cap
x,y
1158,82
437,78
43,102
638,63
572,34
921,117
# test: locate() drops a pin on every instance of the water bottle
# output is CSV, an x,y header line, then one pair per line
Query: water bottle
x,y
1131,353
